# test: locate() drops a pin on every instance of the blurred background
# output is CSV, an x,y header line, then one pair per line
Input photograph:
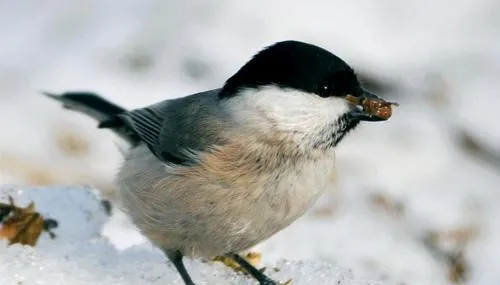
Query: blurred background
x,y
417,199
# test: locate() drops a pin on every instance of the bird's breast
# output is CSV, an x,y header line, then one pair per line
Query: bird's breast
x,y
291,191
230,201
269,187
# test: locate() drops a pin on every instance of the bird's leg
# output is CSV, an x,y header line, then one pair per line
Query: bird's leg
x,y
175,257
252,257
257,274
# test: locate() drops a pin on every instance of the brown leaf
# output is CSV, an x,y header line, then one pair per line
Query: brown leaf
x,y
388,204
456,263
22,225
71,143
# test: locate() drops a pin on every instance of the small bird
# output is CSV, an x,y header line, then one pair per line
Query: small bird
x,y
217,172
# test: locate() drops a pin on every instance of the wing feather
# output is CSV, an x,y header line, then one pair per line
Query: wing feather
x,y
173,129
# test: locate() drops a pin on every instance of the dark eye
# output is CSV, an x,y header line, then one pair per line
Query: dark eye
x,y
326,90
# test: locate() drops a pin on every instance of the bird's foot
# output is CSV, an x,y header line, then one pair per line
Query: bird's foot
x,y
252,257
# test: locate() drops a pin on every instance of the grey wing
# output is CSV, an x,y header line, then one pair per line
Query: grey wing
x,y
173,129
147,124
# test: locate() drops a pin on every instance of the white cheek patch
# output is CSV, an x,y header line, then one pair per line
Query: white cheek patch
x,y
290,110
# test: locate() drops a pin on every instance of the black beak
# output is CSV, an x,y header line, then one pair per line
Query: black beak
x,y
367,94
360,112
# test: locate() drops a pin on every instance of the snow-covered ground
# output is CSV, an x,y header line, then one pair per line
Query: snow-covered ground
x,y
441,57
81,255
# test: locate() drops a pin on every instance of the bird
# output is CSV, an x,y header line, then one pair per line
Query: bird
x,y
219,171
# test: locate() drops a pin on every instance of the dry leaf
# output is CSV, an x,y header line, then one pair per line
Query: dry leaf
x,y
458,268
23,225
457,265
71,143
324,211
388,204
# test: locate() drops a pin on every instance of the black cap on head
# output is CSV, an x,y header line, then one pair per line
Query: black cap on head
x,y
298,65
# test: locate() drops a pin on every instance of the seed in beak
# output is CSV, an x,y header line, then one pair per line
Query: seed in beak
x,y
373,106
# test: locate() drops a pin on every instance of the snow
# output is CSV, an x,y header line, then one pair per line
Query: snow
x,y
138,52
80,255
102,264
79,213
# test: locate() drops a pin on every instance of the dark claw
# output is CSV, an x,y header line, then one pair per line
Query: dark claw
x,y
256,273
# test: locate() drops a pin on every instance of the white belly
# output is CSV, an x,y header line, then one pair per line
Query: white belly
x,y
200,214
284,202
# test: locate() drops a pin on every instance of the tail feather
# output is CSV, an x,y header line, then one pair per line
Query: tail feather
x,y
98,108
88,103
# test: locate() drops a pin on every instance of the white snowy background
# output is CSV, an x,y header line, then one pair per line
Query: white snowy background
x,y
439,59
